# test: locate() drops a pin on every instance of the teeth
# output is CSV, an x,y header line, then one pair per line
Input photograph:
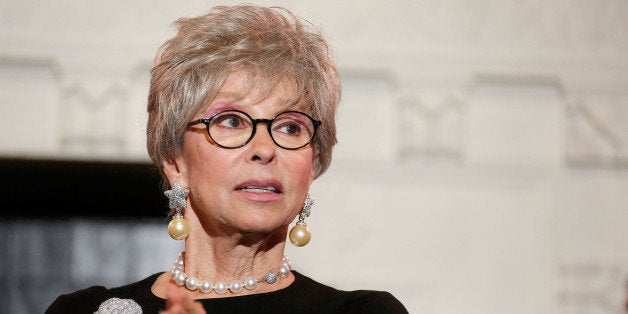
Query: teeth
x,y
258,189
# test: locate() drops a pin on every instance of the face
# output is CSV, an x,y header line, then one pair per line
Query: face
x,y
257,188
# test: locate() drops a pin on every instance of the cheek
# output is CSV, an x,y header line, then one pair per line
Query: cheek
x,y
302,169
203,162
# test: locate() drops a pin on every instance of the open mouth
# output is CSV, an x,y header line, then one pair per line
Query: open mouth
x,y
260,186
259,189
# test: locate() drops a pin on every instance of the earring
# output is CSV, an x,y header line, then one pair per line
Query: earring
x,y
178,228
300,234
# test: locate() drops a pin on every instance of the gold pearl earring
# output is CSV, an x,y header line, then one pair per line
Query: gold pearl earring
x,y
178,228
300,234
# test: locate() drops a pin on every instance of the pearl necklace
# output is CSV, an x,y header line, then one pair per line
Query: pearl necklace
x,y
250,283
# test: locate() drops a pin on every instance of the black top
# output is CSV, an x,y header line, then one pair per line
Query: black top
x,y
303,296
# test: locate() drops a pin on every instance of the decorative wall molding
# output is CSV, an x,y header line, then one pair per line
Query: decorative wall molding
x,y
431,129
72,115
93,124
435,124
596,131
432,124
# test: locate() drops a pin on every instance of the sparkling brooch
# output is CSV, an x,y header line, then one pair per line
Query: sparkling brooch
x,y
119,306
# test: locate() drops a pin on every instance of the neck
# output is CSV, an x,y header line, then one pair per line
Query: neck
x,y
235,256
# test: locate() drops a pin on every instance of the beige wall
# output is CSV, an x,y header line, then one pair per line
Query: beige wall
x,y
482,163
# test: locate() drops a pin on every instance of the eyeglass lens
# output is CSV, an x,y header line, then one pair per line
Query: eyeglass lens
x,y
234,129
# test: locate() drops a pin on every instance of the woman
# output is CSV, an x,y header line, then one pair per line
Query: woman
x,y
241,120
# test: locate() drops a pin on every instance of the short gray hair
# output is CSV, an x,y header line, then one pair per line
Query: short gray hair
x,y
270,44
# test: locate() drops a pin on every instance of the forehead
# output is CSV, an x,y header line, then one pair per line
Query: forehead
x,y
244,89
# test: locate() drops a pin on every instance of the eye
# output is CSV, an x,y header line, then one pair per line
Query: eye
x,y
293,124
230,120
289,128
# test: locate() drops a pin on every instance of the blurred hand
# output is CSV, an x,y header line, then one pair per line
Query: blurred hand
x,y
180,301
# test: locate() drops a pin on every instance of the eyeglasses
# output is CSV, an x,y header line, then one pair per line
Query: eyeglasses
x,y
234,128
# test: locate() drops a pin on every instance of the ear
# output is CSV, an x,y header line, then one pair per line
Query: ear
x,y
315,161
313,173
174,169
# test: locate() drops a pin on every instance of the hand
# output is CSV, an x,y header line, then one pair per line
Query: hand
x,y
180,301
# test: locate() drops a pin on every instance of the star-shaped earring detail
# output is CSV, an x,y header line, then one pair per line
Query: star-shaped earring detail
x,y
176,197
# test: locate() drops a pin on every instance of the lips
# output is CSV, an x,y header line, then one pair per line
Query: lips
x,y
260,187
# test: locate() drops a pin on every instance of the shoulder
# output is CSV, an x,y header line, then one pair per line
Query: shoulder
x,y
370,301
88,300
338,301
82,301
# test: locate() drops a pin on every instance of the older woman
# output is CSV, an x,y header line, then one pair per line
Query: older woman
x,y
241,120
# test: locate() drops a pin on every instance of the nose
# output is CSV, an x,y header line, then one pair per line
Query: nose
x,y
262,148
